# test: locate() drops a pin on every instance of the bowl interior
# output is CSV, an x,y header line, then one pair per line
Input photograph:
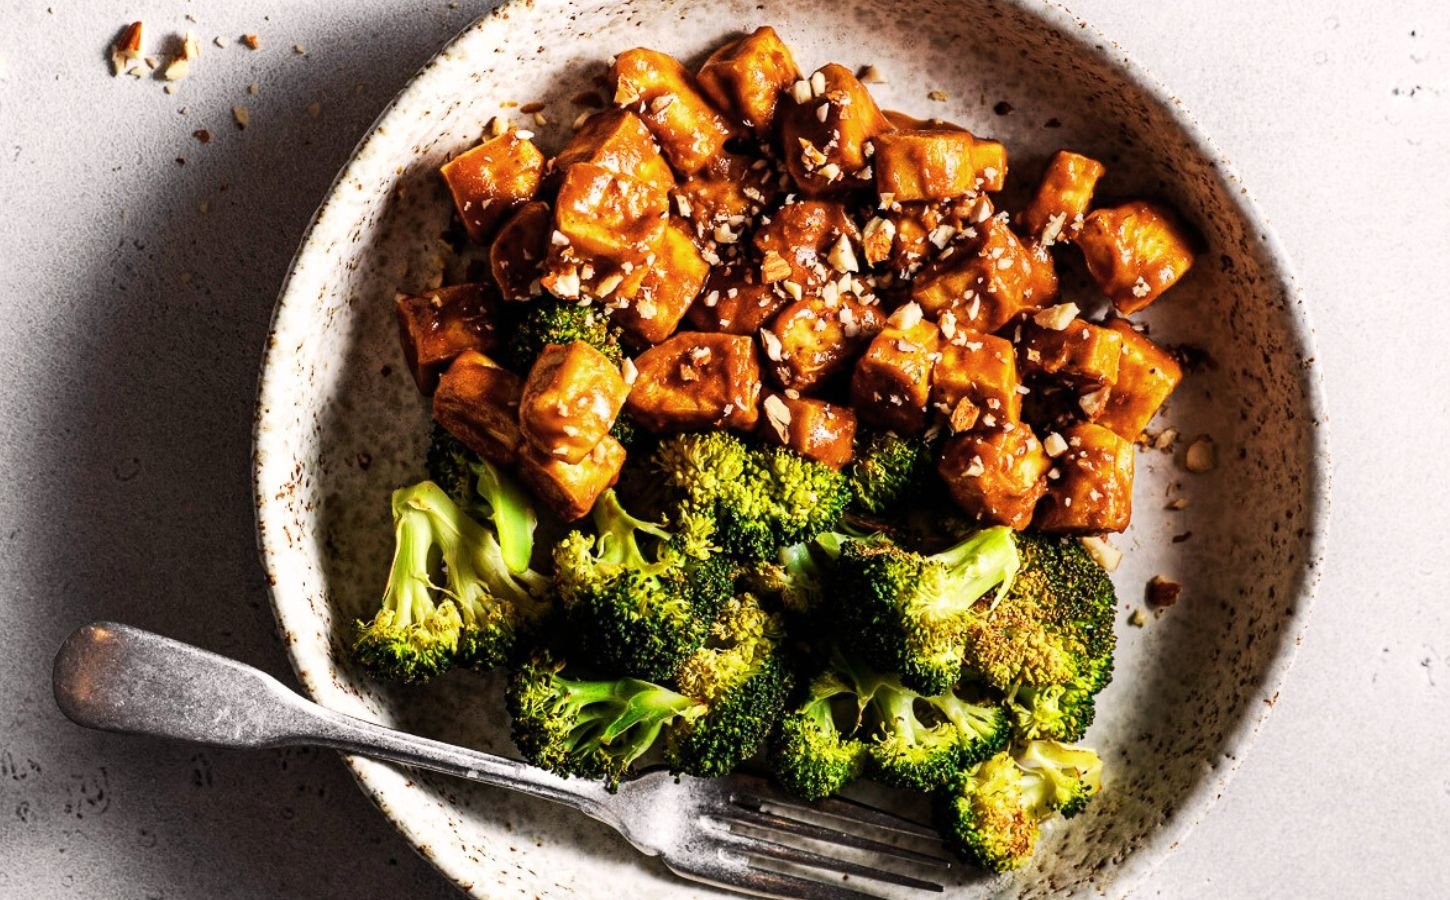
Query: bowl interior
x,y
340,424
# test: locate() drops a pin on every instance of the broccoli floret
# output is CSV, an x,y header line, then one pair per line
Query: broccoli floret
x,y
632,612
911,614
471,615
922,742
741,678
483,490
1060,712
888,470
556,322
589,729
992,815
811,756
754,500
796,577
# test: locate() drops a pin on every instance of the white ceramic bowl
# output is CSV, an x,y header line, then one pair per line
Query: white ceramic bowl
x,y
339,423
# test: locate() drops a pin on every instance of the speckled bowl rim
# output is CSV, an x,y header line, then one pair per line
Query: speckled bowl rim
x,y
378,780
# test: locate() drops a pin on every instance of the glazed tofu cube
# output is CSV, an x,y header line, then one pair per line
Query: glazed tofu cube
x,y
892,381
812,339
477,401
697,380
1135,252
570,489
1147,374
492,180
989,160
826,152
1057,210
690,131
803,244
729,191
736,301
1082,355
1094,489
617,140
671,284
746,77
824,432
517,254
438,326
570,400
604,217
985,286
906,235
996,476
980,371
924,165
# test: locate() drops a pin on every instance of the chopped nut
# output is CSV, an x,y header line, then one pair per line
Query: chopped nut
x,y
1162,592
180,65
201,134
778,415
1200,456
1165,440
1178,503
774,267
1093,402
628,370
964,416
908,315
1054,444
773,348
1102,552
1137,619
801,91
252,41
842,257
299,49
1058,317
127,48
937,96
871,75
242,115
818,83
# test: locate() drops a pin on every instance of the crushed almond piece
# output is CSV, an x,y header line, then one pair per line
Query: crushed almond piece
x,y
871,75
127,48
1137,619
1093,402
773,348
201,134
937,96
1178,503
628,370
299,49
1058,317
1200,456
242,115
907,316
1102,552
1054,445
180,65
842,257
778,415
252,41
818,83
774,267
1166,439
1162,592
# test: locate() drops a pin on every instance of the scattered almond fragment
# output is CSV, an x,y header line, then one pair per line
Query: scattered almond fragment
x,y
774,267
252,41
1200,456
937,96
1058,317
180,65
778,415
1137,619
201,134
1102,552
242,115
1162,592
871,75
127,48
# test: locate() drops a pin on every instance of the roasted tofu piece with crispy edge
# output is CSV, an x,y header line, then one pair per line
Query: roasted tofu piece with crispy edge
x,y
808,243
1093,488
671,284
1082,355
516,256
824,432
975,382
1063,198
492,180
605,227
666,96
987,282
438,326
1135,252
906,235
617,140
570,400
477,401
724,196
736,301
697,380
891,384
814,338
747,77
570,489
934,164
1147,374
827,123
996,476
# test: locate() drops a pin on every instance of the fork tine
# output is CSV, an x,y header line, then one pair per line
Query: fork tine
x,y
793,887
841,808
787,825
785,853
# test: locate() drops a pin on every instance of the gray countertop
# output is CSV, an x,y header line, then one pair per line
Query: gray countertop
x,y
138,266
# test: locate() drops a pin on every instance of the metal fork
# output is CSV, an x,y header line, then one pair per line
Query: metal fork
x,y
724,832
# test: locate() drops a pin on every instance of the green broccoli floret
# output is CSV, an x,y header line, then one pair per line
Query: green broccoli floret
x,y
483,490
557,322
471,614
922,742
742,680
911,614
888,470
1060,712
635,612
992,816
796,577
811,756
589,729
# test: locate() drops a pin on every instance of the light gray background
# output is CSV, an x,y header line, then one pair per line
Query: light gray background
x,y
132,323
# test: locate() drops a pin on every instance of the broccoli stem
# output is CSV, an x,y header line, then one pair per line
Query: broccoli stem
x,y
983,560
619,535
512,513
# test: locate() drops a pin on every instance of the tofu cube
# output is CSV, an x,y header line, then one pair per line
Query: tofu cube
x,y
904,238
736,301
570,399
824,432
570,489
697,380
1135,252
989,160
617,140
987,284
996,476
477,401
746,78
517,254
802,235
665,95
605,217
1093,492
1063,198
892,381
1082,355
492,180
1147,374
438,326
724,195
924,164
978,370
813,339
826,152
671,283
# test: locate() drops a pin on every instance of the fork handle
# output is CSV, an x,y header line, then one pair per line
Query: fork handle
x,y
119,678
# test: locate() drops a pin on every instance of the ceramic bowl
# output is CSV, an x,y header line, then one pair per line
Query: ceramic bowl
x,y
340,424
